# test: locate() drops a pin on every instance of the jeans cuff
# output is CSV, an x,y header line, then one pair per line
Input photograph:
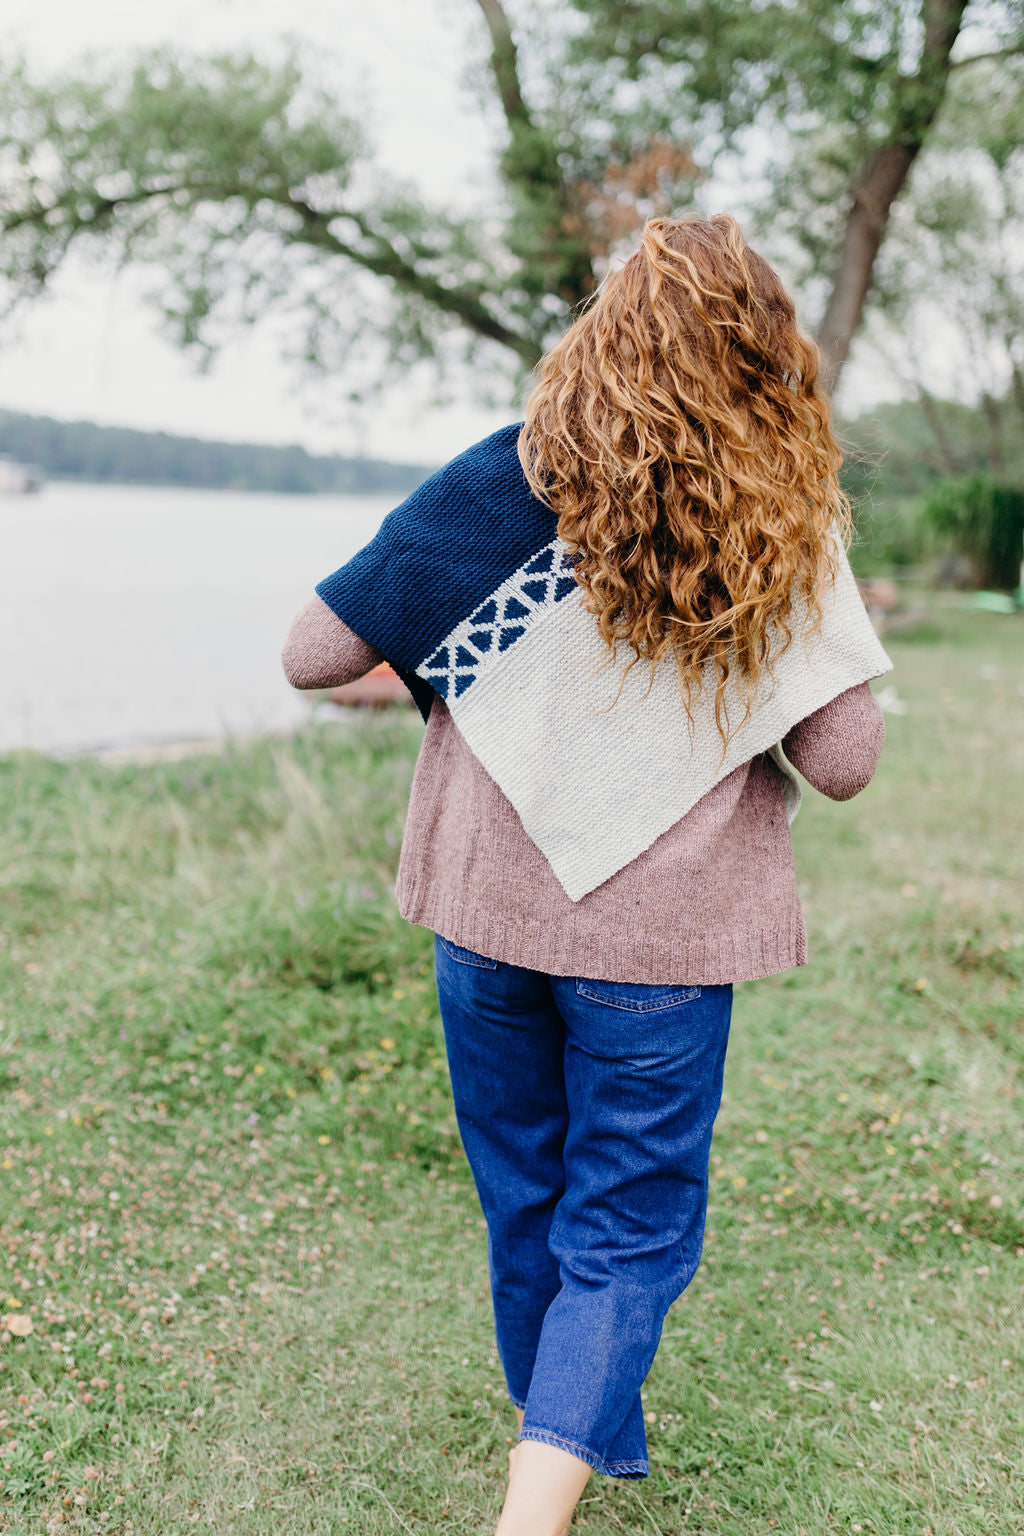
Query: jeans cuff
x,y
583,1453
516,1403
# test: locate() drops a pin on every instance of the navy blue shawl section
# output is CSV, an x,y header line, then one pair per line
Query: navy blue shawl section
x,y
439,554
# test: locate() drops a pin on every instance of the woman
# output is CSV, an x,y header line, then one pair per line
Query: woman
x,y
603,851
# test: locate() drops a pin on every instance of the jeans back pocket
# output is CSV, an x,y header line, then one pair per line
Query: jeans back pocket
x,y
635,996
466,956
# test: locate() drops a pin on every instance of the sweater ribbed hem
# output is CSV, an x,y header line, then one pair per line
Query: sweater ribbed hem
x,y
559,949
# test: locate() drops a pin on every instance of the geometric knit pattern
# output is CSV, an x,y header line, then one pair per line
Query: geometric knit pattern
x,y
436,560
506,615
598,765
468,592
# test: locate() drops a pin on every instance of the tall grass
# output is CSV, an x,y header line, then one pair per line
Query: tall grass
x,y
242,1265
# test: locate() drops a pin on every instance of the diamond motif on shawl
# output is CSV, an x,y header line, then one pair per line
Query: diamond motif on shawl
x,y
520,601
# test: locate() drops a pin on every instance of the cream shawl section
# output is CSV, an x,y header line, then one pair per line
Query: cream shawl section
x,y
596,782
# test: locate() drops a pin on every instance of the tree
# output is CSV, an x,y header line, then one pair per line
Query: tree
x,y
248,184
249,187
983,520
847,92
950,282
244,183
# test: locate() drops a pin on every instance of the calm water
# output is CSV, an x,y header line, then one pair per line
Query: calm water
x,y
129,614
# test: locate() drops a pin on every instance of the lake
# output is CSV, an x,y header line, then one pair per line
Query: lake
x,y
132,614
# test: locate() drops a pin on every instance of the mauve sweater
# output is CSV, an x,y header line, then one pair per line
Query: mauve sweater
x,y
713,900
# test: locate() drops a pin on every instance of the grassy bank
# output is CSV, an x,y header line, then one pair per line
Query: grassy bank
x,y
238,1224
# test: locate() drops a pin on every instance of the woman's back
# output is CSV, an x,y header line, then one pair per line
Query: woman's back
x,y
713,899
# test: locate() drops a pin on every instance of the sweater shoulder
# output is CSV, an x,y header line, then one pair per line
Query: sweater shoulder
x,y
486,471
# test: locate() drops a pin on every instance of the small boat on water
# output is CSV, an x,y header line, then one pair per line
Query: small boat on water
x,y
19,479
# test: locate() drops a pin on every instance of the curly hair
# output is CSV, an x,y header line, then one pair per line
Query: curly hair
x,y
678,432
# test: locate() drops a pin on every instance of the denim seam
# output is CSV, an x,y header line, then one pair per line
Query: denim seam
x,y
481,962
687,995
548,1437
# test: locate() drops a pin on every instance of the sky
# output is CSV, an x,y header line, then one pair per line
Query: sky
x,y
93,350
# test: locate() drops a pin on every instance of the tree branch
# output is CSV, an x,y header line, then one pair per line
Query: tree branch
x,y
384,260
387,262
553,230
102,208
918,99
1012,51
505,64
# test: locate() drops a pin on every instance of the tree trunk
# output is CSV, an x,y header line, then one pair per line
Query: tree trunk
x,y
1017,389
873,197
531,169
993,420
882,182
947,459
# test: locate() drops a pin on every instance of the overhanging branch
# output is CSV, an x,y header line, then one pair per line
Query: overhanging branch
x,y
386,261
505,64
1012,51
316,230
553,229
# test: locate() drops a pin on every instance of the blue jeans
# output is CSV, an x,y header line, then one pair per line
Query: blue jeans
x,y
586,1110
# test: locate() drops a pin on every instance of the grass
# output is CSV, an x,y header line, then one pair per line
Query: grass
x,y
237,1220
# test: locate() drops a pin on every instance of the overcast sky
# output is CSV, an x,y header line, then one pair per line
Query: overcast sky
x,y
93,350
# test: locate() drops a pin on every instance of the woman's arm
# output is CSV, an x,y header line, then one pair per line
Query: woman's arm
x,y
838,747
322,652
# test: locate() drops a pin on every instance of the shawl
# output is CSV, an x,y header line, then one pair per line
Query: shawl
x,y
468,592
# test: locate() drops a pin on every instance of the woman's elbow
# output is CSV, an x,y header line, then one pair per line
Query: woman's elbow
x,y
295,670
847,773
322,652
837,748
302,668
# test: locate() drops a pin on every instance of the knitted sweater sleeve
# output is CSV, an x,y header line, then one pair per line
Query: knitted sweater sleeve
x,y
838,747
322,652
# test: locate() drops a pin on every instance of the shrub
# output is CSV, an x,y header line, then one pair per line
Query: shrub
x,y
981,518
889,536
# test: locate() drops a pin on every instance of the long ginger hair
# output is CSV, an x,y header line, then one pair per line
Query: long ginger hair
x,y
679,433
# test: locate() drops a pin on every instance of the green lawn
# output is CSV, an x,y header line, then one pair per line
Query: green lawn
x,y
237,1218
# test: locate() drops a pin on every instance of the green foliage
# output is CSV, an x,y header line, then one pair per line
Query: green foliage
x,y
251,187
81,451
950,281
889,539
235,1212
898,450
246,188
895,456
833,58
983,519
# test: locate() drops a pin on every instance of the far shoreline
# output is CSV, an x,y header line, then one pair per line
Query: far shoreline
x,y
29,497
174,749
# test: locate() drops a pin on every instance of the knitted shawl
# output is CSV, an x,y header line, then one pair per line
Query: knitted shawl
x,y
469,593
